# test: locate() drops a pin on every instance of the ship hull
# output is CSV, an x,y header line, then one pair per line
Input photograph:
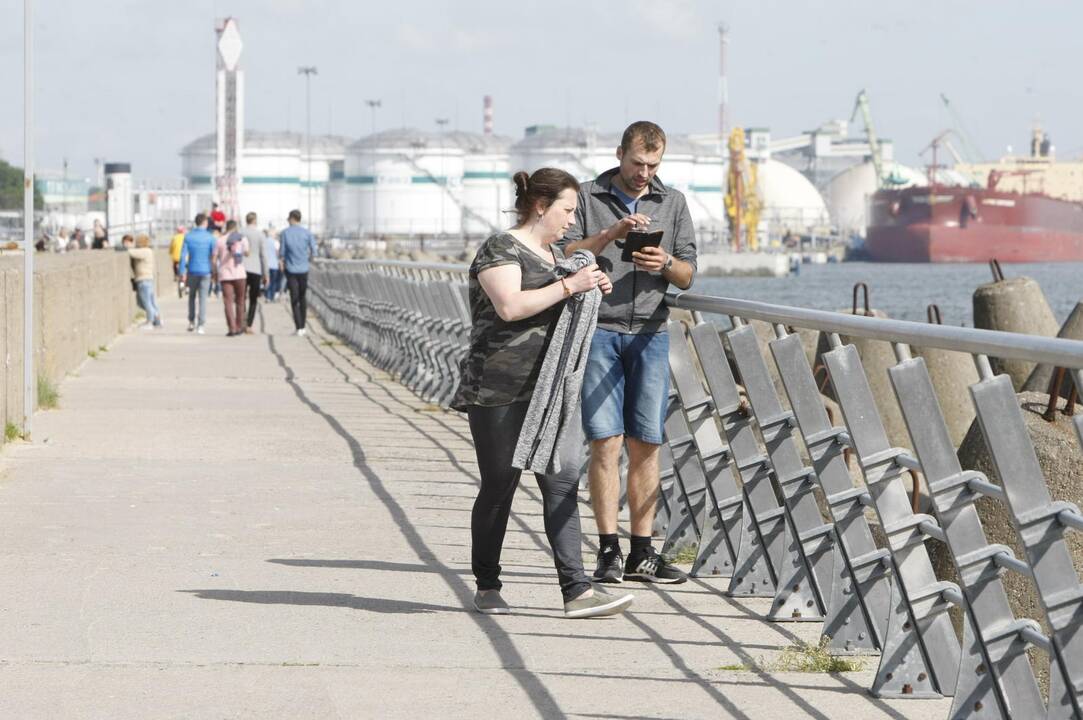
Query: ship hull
x,y
971,225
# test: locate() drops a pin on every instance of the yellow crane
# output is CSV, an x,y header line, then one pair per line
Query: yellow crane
x,y
742,197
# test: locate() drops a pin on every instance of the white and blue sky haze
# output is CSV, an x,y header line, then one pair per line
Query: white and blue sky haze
x,y
134,81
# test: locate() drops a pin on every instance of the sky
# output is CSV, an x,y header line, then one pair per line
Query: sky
x,y
133,80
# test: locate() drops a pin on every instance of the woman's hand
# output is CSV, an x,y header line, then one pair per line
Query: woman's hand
x,y
586,279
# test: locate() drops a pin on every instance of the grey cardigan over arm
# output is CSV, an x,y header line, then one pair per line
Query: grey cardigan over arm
x,y
556,394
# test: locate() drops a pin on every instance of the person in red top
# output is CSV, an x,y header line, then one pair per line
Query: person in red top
x,y
217,218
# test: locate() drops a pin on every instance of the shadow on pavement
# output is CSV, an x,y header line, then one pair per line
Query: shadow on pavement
x,y
343,600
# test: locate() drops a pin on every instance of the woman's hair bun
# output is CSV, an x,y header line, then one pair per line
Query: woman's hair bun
x,y
522,182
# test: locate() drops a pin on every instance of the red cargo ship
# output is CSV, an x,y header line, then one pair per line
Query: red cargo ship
x,y
964,224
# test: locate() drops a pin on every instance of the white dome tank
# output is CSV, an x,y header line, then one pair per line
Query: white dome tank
x,y
404,182
847,193
790,201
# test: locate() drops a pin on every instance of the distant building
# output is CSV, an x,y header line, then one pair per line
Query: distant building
x,y
62,194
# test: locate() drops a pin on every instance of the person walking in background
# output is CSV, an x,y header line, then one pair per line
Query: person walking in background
x,y
216,287
626,381
229,256
101,236
143,270
217,219
270,256
298,247
175,245
196,270
255,266
516,300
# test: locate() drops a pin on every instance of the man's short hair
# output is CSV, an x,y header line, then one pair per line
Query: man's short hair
x,y
200,219
295,215
231,225
646,132
250,219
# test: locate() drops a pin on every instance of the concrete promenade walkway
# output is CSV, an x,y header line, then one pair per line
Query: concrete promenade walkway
x,y
267,527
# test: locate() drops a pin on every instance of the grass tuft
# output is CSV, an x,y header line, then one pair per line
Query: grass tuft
x,y
92,354
48,395
805,658
686,555
12,432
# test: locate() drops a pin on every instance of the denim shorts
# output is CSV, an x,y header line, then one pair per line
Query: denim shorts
x,y
626,386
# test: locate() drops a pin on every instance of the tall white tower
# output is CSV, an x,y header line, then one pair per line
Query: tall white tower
x,y
229,109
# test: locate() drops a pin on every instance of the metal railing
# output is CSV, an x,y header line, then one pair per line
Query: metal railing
x,y
745,459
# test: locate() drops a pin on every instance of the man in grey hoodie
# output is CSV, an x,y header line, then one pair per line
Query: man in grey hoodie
x,y
626,382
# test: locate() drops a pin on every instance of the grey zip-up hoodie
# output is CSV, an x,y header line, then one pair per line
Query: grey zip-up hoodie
x,y
636,304
556,394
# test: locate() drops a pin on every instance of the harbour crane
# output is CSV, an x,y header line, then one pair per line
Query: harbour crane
x,y
862,103
969,149
742,199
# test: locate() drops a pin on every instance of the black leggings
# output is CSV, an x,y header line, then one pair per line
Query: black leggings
x,y
495,431
298,286
253,282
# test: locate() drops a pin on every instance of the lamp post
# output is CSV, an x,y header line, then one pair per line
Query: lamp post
x,y
308,71
373,104
442,123
29,389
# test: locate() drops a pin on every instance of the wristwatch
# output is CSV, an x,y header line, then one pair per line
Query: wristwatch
x,y
669,264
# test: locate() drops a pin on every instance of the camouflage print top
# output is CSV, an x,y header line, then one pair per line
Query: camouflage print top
x,y
505,357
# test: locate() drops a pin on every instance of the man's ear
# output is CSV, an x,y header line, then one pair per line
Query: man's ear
x,y
620,153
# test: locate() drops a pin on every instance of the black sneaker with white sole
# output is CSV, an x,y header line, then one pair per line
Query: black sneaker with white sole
x,y
610,566
652,567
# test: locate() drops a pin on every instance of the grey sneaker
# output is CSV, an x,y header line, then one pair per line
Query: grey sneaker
x,y
599,604
489,602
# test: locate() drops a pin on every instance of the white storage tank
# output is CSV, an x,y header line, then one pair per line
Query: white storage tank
x,y
790,200
198,163
315,176
404,182
270,186
847,193
487,190
336,198
583,153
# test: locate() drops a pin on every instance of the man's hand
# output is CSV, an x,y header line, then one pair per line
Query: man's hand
x,y
183,279
620,229
651,258
266,281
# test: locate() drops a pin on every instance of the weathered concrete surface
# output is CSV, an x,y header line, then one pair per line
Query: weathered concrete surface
x,y
1014,305
266,527
82,301
1042,376
1061,461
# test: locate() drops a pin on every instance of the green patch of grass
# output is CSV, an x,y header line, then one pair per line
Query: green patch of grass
x,y
805,658
92,354
102,348
48,395
12,432
686,555
330,343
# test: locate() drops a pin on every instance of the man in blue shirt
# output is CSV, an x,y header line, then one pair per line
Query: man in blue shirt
x,y
298,247
196,270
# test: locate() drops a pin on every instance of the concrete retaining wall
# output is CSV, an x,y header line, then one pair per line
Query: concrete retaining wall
x,y
82,300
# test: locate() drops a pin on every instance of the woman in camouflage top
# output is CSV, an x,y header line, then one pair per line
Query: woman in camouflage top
x,y
515,300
